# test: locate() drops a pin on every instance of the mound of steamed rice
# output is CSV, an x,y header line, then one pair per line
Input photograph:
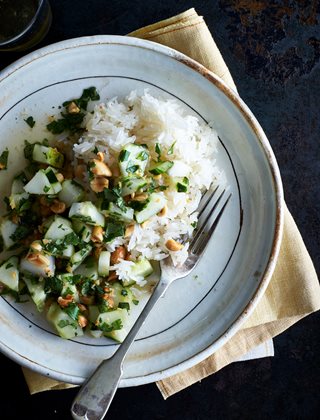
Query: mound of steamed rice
x,y
145,119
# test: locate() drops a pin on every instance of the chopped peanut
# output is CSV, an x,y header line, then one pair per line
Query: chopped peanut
x,y
100,156
82,321
113,276
99,183
141,197
79,171
109,299
163,211
60,177
118,254
38,259
73,108
97,234
58,207
87,300
100,168
64,302
35,246
145,224
129,231
82,307
173,245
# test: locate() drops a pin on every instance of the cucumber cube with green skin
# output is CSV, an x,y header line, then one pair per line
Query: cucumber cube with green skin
x,y
63,323
125,215
17,200
36,290
122,296
59,229
104,263
82,229
7,229
9,273
133,160
78,257
68,288
156,203
141,268
48,155
44,270
160,167
88,269
71,192
113,324
131,185
87,213
43,182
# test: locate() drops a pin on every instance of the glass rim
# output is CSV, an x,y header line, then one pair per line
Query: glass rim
x,y
16,38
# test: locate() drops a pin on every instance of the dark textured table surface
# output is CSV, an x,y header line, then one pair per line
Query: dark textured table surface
x,y
272,48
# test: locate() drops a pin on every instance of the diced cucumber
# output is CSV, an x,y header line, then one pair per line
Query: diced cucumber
x,y
89,269
104,263
17,186
48,155
36,290
71,192
156,203
78,257
87,213
43,182
125,215
133,159
116,321
19,201
7,229
122,296
68,287
9,273
93,313
131,185
141,269
63,323
160,167
45,269
82,230
59,228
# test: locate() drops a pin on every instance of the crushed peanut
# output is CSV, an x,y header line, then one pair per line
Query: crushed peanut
x,y
100,156
129,231
58,207
73,108
97,234
140,197
173,245
82,321
65,301
100,168
99,183
60,177
118,254
163,211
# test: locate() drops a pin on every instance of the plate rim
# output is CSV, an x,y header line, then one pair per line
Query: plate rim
x,y
261,137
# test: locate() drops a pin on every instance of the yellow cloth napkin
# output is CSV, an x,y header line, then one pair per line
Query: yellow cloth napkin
x,y
294,290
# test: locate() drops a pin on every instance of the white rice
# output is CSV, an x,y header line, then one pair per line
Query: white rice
x,y
150,120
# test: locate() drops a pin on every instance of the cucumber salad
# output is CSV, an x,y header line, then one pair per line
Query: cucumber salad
x,y
113,188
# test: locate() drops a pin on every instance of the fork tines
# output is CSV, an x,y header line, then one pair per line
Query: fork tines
x,y
206,222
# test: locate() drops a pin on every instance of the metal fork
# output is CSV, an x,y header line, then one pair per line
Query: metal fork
x,y
96,394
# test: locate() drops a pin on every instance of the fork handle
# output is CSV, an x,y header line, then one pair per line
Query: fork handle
x,y
96,394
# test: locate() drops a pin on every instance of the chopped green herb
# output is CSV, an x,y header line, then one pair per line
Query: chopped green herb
x,y
132,169
171,148
124,305
9,265
135,301
124,155
30,121
142,156
65,322
124,292
72,310
53,285
21,232
115,325
46,188
161,167
89,94
113,230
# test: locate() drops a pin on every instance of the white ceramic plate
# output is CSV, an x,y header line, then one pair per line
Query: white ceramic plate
x,y
201,312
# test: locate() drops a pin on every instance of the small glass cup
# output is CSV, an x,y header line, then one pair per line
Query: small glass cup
x,y
23,30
